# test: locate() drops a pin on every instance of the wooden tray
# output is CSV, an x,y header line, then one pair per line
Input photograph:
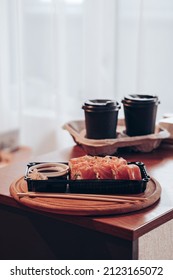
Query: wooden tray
x,y
84,207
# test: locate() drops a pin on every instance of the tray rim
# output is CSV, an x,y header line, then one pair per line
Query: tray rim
x,y
51,206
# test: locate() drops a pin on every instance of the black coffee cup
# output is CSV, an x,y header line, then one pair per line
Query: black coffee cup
x,y
140,114
101,118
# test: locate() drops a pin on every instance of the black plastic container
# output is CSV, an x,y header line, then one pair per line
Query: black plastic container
x,y
101,118
52,184
97,186
140,114
111,186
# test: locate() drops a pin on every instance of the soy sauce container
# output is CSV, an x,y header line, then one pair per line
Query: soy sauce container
x,y
140,114
52,176
101,117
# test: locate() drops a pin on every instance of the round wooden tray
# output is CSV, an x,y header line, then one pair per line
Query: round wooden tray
x,y
84,207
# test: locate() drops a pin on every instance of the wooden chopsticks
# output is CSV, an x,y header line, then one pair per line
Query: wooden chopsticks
x,y
93,197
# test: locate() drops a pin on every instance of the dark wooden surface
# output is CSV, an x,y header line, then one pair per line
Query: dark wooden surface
x,y
159,164
28,235
109,232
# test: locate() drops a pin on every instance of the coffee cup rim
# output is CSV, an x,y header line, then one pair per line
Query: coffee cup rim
x,y
141,99
101,104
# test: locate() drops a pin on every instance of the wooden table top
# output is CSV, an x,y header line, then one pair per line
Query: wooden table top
x,y
159,164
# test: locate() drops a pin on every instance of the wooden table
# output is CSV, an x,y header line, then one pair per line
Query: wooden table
x,y
26,233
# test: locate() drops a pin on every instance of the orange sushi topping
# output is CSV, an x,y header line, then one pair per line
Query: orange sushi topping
x,y
108,167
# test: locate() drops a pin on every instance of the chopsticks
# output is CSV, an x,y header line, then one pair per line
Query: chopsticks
x,y
92,197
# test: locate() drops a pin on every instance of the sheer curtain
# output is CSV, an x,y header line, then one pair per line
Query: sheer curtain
x,y
55,54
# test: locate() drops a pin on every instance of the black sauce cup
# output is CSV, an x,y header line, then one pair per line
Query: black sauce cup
x,y
101,117
140,114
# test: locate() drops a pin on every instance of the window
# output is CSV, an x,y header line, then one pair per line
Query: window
x,y
55,54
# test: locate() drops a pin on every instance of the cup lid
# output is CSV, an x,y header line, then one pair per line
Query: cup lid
x,y
140,98
101,104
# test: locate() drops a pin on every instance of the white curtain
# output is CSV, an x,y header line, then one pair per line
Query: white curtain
x,y
55,54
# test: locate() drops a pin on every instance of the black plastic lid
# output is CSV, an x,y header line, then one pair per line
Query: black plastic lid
x,y
140,99
101,105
